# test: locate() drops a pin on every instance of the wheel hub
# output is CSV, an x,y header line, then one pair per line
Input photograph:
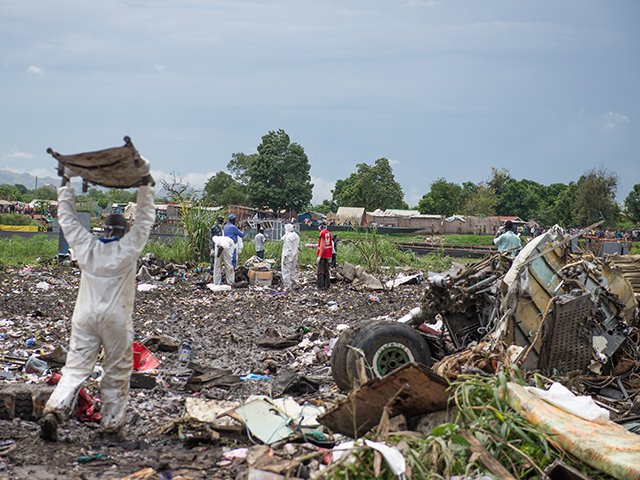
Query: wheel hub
x,y
389,357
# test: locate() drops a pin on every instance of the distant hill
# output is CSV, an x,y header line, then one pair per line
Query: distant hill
x,y
11,178
8,177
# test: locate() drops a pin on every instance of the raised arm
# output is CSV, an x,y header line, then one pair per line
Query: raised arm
x,y
137,237
79,238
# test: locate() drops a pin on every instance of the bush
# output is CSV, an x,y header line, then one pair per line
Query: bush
x,y
196,224
36,250
16,219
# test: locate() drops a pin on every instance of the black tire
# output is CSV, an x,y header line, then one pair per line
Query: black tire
x,y
339,354
386,346
24,406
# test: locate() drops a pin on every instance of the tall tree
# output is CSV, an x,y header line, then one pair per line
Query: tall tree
x,y
480,201
222,189
23,190
632,204
521,198
279,176
595,198
371,186
177,189
46,192
10,193
499,177
444,198
239,166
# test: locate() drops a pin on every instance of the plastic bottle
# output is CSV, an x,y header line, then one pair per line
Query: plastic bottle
x,y
186,351
35,365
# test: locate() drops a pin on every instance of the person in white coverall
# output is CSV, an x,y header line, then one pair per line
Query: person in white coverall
x,y
223,251
102,315
289,261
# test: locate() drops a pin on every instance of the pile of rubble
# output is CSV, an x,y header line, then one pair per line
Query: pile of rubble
x,y
257,382
568,321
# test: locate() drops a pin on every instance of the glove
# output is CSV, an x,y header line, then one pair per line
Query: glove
x,y
317,259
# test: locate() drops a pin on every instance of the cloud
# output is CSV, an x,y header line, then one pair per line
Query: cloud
x,y
321,189
18,155
413,197
394,162
422,3
613,119
160,68
35,70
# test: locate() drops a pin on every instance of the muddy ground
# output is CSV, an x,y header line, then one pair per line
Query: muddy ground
x,y
224,326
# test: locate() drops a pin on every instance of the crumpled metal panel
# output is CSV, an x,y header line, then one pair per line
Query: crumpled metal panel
x,y
412,389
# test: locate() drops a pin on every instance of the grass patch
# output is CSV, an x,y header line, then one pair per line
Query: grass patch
x,y
635,248
16,219
18,251
455,240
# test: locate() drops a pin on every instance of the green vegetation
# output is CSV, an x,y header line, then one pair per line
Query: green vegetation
x,y
371,186
17,219
480,415
454,240
18,251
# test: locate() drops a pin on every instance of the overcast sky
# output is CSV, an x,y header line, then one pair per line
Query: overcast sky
x,y
544,88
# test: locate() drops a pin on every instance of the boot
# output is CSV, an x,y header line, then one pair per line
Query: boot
x,y
49,428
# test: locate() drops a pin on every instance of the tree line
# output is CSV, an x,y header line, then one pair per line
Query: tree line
x,y
277,178
94,201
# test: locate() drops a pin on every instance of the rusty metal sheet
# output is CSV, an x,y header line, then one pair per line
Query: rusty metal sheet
x,y
412,389
607,447
119,167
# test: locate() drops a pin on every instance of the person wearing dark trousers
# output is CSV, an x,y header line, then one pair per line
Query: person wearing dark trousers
x,y
323,257
258,241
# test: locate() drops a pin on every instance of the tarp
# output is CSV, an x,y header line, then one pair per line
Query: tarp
x,y
19,228
607,447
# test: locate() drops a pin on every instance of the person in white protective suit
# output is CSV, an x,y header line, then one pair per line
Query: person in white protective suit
x,y
223,251
102,315
289,261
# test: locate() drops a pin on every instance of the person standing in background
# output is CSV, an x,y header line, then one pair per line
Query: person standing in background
x,y
289,261
233,232
258,241
216,231
323,257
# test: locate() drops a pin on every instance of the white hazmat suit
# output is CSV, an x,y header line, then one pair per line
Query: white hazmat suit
x,y
102,315
291,242
223,251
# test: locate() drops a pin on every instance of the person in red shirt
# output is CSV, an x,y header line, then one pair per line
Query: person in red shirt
x,y
323,256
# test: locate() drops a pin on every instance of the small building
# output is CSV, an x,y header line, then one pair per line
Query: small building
x,y
350,216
